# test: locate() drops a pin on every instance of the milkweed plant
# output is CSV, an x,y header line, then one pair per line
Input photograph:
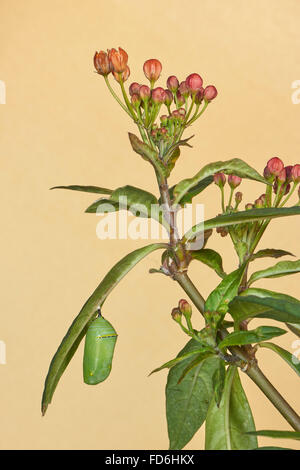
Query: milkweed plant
x,y
203,383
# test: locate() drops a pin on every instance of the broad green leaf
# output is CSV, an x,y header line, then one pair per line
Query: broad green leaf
x,y
149,155
173,362
220,297
226,425
211,258
219,382
276,434
103,206
77,329
294,327
241,217
193,364
192,192
187,402
235,166
291,360
261,303
262,333
86,189
270,253
283,268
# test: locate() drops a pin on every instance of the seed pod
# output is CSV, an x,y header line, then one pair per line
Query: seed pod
x,y
99,349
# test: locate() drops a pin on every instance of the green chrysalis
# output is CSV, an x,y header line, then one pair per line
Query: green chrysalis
x,y
99,349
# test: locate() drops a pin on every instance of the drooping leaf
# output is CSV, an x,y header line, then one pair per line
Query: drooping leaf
x,y
227,423
235,166
86,189
77,329
283,268
148,154
220,297
103,206
173,362
270,253
262,333
187,402
289,358
276,434
242,217
211,258
261,303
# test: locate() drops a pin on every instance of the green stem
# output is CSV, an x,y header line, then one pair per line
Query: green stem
x,y
115,95
289,195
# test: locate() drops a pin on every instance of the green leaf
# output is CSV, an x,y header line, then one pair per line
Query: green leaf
x,y
262,333
86,189
272,448
77,329
173,362
294,327
219,382
270,253
211,258
194,191
276,434
241,217
219,298
261,303
291,360
226,425
235,166
187,402
148,154
283,268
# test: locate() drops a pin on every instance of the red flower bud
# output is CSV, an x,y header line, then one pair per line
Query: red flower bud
x,y
118,60
238,197
102,63
169,98
152,69
234,181
219,179
163,131
176,315
281,178
275,165
176,114
183,89
283,189
145,92
158,95
295,173
134,89
182,112
267,174
124,75
288,171
173,83
185,307
210,92
194,82
180,98
258,203
249,206
199,96
135,100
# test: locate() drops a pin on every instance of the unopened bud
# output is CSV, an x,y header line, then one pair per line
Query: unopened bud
x,y
194,83
238,197
184,89
173,83
164,120
134,88
182,112
284,189
219,179
234,181
176,315
199,96
152,69
118,60
102,63
288,171
282,176
258,203
275,166
144,92
295,173
210,93
169,98
124,75
185,308
158,95
136,100
249,206
180,98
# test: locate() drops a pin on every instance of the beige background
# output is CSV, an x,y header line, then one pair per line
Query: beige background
x,y
60,126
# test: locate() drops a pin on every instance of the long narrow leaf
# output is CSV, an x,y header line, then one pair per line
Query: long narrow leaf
x,y
283,268
289,358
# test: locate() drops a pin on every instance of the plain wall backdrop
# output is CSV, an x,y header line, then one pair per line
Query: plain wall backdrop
x,y
60,126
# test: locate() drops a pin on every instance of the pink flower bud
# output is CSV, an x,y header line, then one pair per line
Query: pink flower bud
x,y
158,95
182,112
288,170
134,88
267,174
219,179
185,307
118,60
199,96
210,93
124,75
135,100
234,181
249,206
194,82
295,173
173,83
281,178
180,98
144,92
176,114
176,315
169,98
285,189
275,165
258,203
102,63
163,131
184,89
238,197
152,69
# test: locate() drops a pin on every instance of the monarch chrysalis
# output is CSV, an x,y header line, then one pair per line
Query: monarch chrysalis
x,y
99,348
